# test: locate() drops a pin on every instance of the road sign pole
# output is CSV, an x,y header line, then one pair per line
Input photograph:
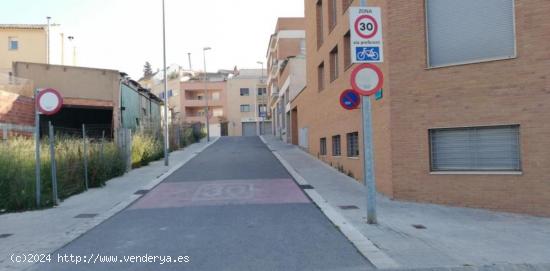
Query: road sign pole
x,y
53,163
37,146
368,161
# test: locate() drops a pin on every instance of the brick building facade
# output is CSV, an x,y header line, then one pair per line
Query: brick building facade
x,y
467,133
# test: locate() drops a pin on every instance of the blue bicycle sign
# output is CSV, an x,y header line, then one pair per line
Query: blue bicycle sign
x,y
367,53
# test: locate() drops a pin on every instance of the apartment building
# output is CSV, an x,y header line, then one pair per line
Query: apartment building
x,y
195,94
463,119
247,103
286,74
22,42
176,74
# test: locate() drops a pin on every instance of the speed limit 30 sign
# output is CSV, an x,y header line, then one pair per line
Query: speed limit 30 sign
x,y
366,35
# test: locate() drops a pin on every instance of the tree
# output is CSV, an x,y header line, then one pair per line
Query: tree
x,y
147,70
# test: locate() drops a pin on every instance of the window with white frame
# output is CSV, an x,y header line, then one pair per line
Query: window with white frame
x,y
262,91
469,31
245,108
245,92
495,148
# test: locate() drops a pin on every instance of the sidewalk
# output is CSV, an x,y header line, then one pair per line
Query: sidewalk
x,y
453,238
45,231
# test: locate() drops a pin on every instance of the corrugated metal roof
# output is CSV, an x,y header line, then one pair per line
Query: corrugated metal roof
x,y
23,26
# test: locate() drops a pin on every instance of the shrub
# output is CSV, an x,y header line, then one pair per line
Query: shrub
x,y
17,170
145,149
105,161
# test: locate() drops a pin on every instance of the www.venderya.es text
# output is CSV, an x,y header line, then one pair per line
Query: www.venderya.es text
x,y
98,259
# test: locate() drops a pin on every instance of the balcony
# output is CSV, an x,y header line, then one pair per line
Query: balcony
x,y
194,118
262,99
202,103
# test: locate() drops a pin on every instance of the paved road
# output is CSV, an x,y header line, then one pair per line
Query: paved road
x,y
233,207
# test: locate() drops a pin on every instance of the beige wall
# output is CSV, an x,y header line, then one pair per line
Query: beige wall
x,y
235,100
78,86
190,106
174,101
417,99
285,44
32,47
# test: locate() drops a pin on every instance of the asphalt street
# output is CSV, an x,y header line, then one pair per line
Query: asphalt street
x,y
232,207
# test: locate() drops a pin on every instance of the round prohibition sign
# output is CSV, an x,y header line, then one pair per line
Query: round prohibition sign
x,y
367,79
49,101
366,26
350,99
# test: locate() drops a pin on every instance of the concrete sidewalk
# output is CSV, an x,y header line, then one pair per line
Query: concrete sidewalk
x,y
44,231
445,238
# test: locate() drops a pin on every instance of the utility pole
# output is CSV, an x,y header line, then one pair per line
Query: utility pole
x,y
71,38
206,94
48,41
189,57
166,143
62,49
258,123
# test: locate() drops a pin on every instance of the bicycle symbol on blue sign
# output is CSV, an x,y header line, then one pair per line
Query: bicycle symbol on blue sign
x,y
367,53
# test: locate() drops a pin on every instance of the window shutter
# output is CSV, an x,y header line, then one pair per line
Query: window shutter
x,y
476,149
468,31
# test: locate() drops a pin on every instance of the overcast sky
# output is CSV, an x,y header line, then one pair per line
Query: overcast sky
x,y
123,34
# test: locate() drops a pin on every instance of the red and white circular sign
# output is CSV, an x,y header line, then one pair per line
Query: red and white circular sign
x,y
49,101
366,26
367,79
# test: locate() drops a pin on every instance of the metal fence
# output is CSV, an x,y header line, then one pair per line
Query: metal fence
x,y
73,160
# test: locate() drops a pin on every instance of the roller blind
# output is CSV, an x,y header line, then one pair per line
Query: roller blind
x,y
468,31
476,149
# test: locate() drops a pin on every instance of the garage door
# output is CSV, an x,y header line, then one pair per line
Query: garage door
x,y
266,128
249,129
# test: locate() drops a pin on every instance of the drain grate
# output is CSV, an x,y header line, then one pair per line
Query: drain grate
x,y
348,207
141,192
5,235
86,216
419,226
306,186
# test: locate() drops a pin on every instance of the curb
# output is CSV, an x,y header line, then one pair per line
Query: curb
x,y
90,224
372,253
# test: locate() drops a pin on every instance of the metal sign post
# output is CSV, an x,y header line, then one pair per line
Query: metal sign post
x,y
53,164
368,161
48,102
37,147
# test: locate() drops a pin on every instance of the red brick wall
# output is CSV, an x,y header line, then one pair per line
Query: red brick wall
x,y
416,99
321,113
514,91
16,109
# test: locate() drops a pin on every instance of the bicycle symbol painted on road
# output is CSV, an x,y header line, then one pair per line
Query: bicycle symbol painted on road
x,y
367,53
